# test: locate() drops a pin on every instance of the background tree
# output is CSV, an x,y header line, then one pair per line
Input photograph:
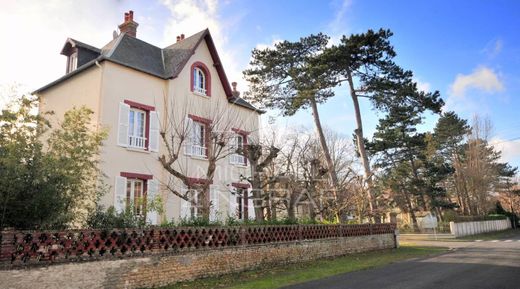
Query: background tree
x,y
448,141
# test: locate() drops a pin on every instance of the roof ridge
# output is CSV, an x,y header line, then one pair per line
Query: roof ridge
x,y
187,38
113,48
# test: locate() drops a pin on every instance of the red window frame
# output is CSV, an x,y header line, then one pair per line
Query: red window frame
x,y
243,209
144,178
146,109
204,68
244,135
207,125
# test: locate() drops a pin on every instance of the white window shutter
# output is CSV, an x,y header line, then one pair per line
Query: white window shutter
x,y
232,205
153,190
120,194
122,133
196,198
213,193
250,205
188,129
153,142
185,207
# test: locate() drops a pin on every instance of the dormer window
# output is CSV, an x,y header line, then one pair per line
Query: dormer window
x,y
78,54
72,62
200,79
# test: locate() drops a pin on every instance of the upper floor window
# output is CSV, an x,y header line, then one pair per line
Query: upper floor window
x,y
73,62
237,150
237,145
200,79
136,128
197,140
199,83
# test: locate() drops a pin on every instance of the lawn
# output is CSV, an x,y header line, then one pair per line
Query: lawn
x,y
279,276
492,235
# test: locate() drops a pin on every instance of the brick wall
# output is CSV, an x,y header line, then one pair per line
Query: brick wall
x,y
162,269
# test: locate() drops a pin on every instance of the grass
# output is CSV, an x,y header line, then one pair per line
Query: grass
x,y
492,235
275,277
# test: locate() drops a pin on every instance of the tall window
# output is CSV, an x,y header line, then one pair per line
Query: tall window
x,y
136,128
73,62
198,139
199,81
237,144
135,195
242,206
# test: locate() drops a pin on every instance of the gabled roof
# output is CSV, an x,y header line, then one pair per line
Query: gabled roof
x,y
164,63
75,43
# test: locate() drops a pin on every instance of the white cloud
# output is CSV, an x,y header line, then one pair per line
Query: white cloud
x,y
493,48
482,78
35,32
337,25
275,41
422,85
510,149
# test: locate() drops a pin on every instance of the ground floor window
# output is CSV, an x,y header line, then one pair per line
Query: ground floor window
x,y
135,197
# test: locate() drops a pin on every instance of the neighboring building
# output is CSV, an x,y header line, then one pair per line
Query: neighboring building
x,y
135,88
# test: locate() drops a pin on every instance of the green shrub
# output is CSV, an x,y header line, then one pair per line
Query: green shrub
x,y
110,219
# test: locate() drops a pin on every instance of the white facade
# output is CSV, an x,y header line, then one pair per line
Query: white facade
x,y
135,107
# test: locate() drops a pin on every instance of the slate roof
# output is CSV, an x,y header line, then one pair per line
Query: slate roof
x,y
77,43
164,63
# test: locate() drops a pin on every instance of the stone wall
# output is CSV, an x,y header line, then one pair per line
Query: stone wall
x,y
472,228
162,269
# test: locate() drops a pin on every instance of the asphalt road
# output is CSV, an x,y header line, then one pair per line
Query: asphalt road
x,y
471,265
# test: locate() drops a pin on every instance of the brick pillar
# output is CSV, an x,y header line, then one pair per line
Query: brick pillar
x,y
340,230
242,233
370,228
396,238
156,237
300,232
7,246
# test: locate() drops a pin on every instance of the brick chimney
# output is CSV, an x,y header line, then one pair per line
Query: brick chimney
x,y
129,26
235,92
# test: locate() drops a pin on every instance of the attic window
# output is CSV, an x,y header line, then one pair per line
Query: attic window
x,y
199,83
72,62
200,79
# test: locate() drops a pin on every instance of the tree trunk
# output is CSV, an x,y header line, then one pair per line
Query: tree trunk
x,y
326,152
256,184
361,149
410,210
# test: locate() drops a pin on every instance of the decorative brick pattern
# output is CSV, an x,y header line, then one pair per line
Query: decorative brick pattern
x,y
162,269
44,247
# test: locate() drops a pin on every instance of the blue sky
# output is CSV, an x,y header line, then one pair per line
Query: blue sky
x,y
468,50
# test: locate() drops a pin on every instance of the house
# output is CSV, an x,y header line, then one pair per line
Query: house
x,y
137,90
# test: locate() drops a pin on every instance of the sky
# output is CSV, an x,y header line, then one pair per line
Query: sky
x,y
468,50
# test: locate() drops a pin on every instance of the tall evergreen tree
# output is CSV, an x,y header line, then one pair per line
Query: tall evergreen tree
x,y
291,77
366,63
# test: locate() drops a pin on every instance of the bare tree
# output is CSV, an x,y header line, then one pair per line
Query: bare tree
x,y
212,141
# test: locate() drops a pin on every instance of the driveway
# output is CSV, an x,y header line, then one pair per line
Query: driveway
x,y
491,264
